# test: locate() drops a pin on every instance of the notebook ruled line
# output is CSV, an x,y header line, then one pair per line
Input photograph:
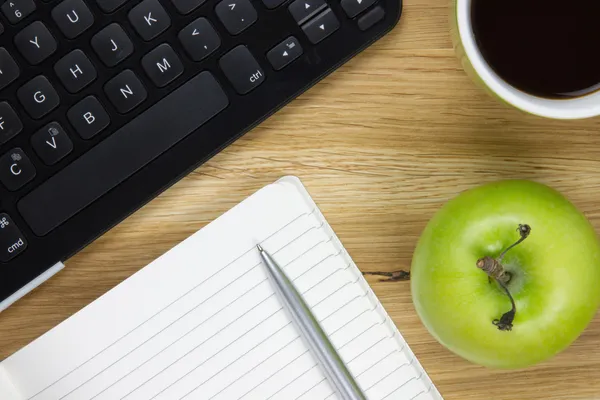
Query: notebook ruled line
x,y
377,362
200,344
361,333
388,374
400,387
418,394
330,395
328,276
311,388
353,319
234,361
349,303
367,349
176,340
162,330
274,373
292,381
295,219
306,251
312,267
404,384
336,290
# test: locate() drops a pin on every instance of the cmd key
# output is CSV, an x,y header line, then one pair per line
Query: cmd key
x,y
12,241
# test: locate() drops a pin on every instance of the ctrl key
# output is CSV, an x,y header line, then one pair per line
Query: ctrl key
x,y
12,241
242,69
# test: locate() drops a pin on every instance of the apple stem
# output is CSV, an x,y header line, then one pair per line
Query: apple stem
x,y
505,323
392,276
495,270
524,230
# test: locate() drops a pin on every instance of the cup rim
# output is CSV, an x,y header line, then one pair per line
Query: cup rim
x,y
576,108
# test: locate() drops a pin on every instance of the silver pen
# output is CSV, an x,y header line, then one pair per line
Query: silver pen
x,y
322,348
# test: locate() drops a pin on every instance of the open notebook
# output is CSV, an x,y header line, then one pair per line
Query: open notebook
x,y
203,322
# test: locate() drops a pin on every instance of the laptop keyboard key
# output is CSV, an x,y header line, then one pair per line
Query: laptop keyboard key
x,y
75,71
112,45
38,97
271,4
321,26
370,18
284,53
303,10
125,91
355,7
35,43
12,241
17,10
9,70
162,65
236,15
73,17
187,6
242,69
16,169
10,124
109,6
51,143
199,39
88,117
149,19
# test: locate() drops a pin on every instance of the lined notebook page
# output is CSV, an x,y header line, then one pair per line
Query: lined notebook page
x,y
203,322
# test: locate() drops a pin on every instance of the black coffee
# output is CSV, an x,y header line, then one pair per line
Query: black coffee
x,y
548,48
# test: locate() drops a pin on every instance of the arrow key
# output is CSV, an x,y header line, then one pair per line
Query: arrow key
x,y
199,39
321,26
284,53
303,10
355,7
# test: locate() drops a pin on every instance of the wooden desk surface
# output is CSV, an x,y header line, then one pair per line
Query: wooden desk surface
x,y
381,145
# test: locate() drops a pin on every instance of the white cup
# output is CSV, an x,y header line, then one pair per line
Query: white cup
x,y
473,62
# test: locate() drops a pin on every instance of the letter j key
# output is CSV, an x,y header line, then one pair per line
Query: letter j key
x,y
112,45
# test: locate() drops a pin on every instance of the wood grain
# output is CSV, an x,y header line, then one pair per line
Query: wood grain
x,y
381,145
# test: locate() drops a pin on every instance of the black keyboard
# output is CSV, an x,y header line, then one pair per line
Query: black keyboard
x,y
106,103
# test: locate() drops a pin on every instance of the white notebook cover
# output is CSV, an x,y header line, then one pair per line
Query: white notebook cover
x,y
203,322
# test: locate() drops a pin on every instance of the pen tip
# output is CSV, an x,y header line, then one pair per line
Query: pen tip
x,y
259,247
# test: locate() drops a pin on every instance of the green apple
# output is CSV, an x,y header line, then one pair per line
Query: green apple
x,y
553,275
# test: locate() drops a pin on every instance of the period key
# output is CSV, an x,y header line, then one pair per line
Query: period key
x,y
12,241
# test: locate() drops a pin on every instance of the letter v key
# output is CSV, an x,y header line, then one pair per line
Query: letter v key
x,y
53,143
